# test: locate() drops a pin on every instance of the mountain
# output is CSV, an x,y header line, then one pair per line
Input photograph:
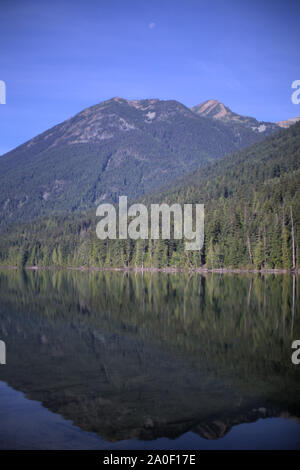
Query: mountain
x,y
216,110
252,219
288,122
115,147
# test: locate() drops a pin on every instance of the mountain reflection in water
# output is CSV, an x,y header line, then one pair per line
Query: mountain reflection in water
x,y
154,355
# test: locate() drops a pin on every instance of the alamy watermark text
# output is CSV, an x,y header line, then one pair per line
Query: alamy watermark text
x,y
141,226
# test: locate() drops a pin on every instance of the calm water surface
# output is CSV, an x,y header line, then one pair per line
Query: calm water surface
x,y
149,361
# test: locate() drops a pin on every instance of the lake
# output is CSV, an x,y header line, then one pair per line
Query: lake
x,y
114,360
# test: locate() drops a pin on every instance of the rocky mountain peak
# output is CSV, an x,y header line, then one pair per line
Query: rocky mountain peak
x,y
216,110
288,122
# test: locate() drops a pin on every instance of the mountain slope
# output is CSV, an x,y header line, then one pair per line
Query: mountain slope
x,y
252,204
115,147
252,214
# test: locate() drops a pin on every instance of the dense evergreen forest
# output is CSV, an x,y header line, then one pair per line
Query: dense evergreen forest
x,y
252,219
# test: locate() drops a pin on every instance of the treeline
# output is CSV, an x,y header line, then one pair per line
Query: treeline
x,y
252,220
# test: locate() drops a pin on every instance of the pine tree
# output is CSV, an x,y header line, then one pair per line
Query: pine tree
x,y
286,258
259,255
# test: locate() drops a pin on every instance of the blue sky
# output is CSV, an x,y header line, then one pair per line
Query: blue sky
x,y
58,57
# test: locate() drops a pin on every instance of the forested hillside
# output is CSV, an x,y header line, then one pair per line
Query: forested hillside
x,y
252,219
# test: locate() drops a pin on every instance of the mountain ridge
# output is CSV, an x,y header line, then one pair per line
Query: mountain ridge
x,y
216,110
288,122
115,147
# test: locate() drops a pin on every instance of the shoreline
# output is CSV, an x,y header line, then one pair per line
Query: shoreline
x,y
167,270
